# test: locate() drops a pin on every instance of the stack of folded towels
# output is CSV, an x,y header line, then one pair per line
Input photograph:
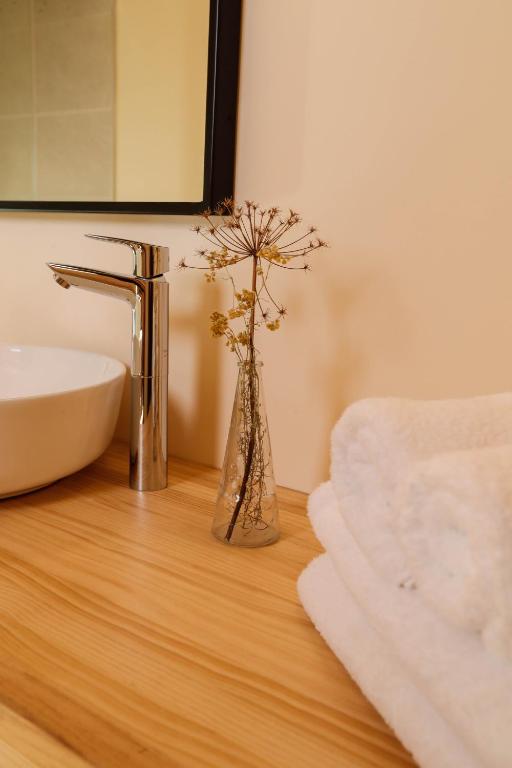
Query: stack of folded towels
x,y
414,591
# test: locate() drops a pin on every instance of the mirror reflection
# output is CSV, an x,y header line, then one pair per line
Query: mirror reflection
x,y
103,100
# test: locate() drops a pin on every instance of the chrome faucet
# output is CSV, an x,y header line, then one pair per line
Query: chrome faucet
x,y
147,291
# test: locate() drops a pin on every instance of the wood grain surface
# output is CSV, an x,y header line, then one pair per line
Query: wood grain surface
x,y
131,638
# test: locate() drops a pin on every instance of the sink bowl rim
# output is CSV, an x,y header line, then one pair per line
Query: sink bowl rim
x,y
117,370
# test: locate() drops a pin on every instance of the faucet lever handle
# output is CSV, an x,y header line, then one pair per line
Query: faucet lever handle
x,y
148,260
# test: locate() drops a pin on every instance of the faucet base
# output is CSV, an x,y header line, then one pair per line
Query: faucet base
x,y
148,443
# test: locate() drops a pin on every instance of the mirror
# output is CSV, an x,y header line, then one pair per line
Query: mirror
x,y
117,105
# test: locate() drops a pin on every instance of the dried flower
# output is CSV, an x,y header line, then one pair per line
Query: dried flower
x,y
239,232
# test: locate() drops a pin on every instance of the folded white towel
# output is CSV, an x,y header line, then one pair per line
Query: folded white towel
x,y
470,687
377,670
376,441
455,525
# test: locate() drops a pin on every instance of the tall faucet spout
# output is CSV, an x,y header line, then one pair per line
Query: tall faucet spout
x,y
107,283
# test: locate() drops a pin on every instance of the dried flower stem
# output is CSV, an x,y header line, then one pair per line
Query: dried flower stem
x,y
252,400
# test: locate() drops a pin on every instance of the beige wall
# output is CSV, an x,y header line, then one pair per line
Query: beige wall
x,y
161,107
388,124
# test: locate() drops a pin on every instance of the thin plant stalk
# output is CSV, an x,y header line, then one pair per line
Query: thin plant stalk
x,y
252,414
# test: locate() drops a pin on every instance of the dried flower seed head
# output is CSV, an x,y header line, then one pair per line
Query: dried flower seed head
x,y
228,204
218,324
271,253
218,259
267,239
246,299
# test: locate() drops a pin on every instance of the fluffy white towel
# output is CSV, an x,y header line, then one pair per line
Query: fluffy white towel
x,y
376,441
455,525
377,670
470,687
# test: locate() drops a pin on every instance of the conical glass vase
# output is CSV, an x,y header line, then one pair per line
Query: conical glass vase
x,y
246,513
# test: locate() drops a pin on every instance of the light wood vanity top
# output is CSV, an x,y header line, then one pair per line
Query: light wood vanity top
x,y
129,637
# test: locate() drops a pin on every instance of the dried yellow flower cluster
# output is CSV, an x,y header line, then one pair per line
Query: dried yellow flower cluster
x,y
217,260
245,302
241,338
272,254
246,299
218,324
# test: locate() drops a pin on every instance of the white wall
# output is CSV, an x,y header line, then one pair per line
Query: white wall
x,y
387,123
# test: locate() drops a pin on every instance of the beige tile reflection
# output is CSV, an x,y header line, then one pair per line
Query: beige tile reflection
x,y
74,64
14,13
16,153
75,157
48,10
15,70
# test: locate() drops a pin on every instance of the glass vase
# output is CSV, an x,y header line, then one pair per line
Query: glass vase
x,y
246,513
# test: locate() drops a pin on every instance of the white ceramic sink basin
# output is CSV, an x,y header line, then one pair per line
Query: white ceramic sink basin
x,y
58,412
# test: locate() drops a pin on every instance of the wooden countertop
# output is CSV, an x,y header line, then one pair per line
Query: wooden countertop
x,y
131,638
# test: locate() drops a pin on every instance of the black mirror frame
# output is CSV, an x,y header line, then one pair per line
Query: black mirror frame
x,y
220,132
